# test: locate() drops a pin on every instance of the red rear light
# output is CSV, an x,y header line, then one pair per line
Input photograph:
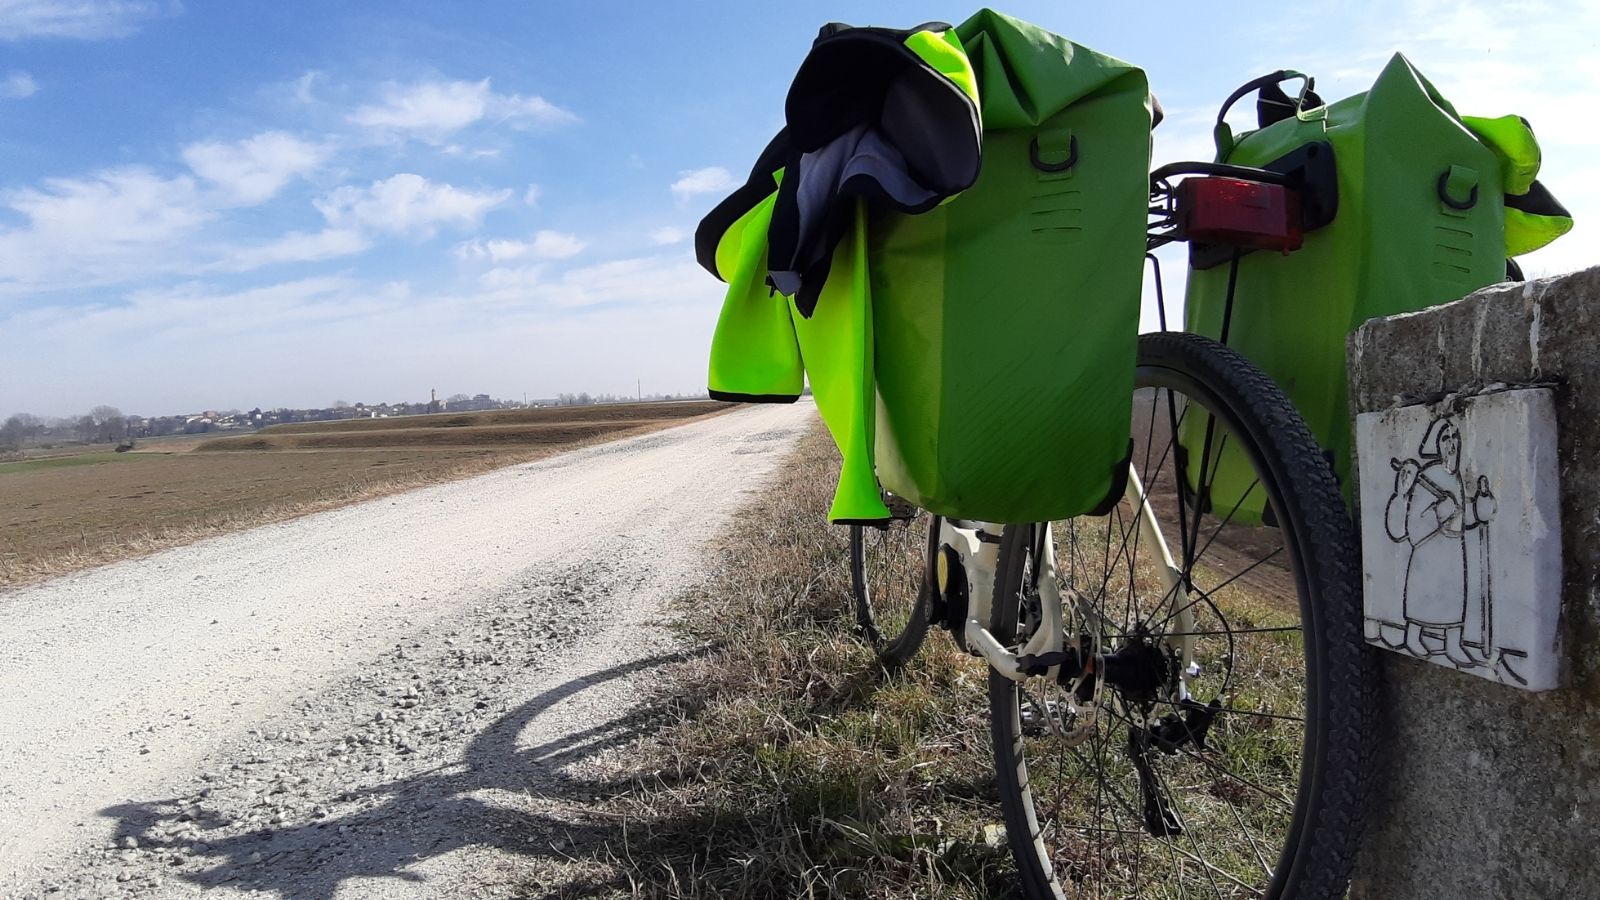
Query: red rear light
x,y
1239,213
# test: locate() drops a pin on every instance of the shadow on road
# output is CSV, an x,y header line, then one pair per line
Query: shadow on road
x,y
422,816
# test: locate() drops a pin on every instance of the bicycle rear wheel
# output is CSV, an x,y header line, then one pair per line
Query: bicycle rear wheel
x,y
1208,735
889,582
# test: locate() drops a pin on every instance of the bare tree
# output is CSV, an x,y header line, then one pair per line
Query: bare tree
x,y
11,434
20,429
109,423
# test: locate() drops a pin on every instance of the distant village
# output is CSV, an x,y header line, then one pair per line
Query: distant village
x,y
107,424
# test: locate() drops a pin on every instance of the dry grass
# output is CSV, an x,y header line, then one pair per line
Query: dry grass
x,y
793,765
62,514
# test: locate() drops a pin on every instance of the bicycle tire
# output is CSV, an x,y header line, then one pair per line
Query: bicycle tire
x,y
893,617
1313,839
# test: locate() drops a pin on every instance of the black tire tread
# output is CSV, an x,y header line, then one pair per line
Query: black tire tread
x,y
893,650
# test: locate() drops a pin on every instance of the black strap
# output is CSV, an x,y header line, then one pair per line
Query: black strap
x,y
1255,84
1273,105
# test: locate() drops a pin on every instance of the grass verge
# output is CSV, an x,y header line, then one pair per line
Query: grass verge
x,y
792,765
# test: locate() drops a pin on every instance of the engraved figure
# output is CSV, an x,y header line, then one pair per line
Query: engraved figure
x,y
1443,514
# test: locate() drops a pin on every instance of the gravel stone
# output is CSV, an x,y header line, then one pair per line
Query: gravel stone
x,y
427,594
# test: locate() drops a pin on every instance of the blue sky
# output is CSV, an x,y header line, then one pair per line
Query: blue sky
x,y
232,204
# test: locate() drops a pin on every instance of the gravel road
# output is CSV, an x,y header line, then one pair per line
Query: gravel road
x,y
386,700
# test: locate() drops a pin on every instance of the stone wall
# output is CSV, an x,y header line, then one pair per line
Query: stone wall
x,y
1488,791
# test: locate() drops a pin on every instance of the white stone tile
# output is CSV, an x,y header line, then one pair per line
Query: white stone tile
x,y
1460,534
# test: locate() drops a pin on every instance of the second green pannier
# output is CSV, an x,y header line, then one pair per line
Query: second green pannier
x,y
1419,218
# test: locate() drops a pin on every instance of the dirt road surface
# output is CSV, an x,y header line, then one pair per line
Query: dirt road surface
x,y
386,700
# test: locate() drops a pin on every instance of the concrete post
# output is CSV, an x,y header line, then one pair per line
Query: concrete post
x,y
1487,791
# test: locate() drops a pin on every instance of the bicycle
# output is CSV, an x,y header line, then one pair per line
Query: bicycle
x,y
1179,692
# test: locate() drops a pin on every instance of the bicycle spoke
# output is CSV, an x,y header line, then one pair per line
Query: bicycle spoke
x,y
1231,513
1202,495
1285,629
1194,842
1128,806
1153,791
1234,711
1202,595
1180,477
1216,768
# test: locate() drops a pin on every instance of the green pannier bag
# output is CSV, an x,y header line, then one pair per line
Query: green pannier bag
x,y
1420,220
1005,321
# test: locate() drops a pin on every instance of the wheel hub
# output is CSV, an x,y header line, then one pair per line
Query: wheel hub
x,y
1142,669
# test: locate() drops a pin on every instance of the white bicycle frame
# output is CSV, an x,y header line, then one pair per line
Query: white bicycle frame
x,y
976,545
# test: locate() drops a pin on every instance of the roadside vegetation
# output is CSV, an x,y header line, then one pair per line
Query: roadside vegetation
x,y
792,764
789,763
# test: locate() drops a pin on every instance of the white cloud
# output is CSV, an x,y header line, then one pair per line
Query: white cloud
x,y
667,236
296,246
544,245
496,250
18,85
555,245
438,107
461,152
651,280
407,204
122,225
534,110
532,195
85,19
253,170
303,85
197,310
710,180
114,206
432,110
98,228
363,340
511,278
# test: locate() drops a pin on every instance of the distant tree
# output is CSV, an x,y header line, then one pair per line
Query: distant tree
x,y
454,399
341,404
109,424
19,430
